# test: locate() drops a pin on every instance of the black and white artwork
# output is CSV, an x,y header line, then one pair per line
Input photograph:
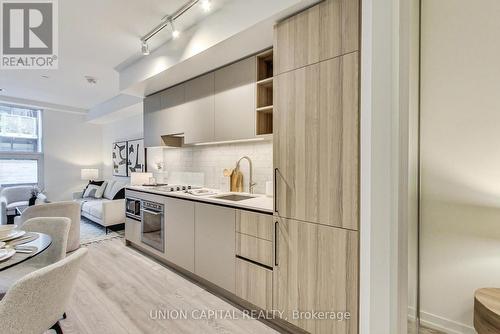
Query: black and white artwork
x,y
120,158
135,156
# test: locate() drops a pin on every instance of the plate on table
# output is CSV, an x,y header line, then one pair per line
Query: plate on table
x,y
6,253
14,235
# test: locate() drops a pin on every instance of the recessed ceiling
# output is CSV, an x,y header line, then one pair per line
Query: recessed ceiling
x,y
96,38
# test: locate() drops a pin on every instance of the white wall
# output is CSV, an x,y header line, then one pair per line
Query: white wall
x,y
69,144
119,130
460,158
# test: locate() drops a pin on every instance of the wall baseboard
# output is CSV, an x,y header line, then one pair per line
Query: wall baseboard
x,y
445,325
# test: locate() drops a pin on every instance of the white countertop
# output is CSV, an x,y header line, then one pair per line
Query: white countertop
x,y
258,202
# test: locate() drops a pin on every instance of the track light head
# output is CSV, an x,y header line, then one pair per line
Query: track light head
x,y
175,33
145,48
206,5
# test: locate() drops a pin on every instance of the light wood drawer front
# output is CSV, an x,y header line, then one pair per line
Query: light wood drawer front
x,y
254,284
255,224
255,249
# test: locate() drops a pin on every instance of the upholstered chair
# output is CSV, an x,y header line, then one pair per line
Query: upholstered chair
x,y
12,197
36,302
58,229
15,196
67,209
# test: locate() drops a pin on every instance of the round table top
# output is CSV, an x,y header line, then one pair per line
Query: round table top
x,y
40,244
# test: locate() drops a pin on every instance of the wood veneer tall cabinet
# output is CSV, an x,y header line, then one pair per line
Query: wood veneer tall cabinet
x,y
316,161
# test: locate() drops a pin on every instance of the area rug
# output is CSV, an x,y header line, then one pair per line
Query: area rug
x,y
91,232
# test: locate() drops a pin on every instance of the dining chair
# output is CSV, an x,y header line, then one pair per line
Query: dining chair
x,y
36,302
67,209
57,229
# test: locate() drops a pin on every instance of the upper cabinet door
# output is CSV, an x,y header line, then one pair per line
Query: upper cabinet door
x,y
339,28
152,120
199,110
316,269
296,41
316,143
163,115
235,101
172,102
325,31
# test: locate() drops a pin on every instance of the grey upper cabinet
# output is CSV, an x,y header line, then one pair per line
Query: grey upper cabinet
x,y
152,120
218,106
172,102
199,110
163,115
235,101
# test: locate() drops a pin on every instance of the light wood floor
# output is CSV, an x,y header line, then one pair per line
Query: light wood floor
x,y
117,288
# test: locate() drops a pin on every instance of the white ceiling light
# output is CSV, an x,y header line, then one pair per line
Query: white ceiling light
x,y
206,5
175,32
145,48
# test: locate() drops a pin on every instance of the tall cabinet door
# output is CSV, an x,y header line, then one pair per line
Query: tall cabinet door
x,y
316,143
316,271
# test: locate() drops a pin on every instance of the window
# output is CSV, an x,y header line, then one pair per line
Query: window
x,y
19,129
20,146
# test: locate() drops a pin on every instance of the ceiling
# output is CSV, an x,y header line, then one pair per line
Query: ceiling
x,y
96,38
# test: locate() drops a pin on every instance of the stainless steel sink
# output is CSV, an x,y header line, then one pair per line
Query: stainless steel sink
x,y
234,197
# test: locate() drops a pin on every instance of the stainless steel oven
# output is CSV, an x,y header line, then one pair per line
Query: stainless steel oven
x,y
153,225
133,208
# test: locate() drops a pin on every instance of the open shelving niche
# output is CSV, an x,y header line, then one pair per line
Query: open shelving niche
x,y
264,93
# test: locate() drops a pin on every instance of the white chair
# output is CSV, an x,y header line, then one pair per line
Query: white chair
x,y
36,302
12,197
67,209
58,229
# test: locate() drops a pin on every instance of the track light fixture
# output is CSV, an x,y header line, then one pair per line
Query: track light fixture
x,y
145,48
169,20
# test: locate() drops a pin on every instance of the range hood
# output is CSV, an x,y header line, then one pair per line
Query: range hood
x,y
173,140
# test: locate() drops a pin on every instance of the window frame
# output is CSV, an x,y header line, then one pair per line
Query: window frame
x,y
20,155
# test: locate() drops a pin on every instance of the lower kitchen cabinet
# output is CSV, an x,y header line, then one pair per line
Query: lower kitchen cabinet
x,y
255,224
132,230
179,234
255,249
316,269
215,244
254,284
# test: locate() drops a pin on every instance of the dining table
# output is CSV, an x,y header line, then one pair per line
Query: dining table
x,y
30,245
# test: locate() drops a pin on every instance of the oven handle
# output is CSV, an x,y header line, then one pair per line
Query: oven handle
x,y
155,213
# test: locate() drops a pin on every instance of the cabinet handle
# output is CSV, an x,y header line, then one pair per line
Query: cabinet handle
x,y
276,237
275,190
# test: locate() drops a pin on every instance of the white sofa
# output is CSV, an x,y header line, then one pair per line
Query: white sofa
x,y
104,211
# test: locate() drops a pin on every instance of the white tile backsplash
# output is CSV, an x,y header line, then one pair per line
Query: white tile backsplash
x,y
207,163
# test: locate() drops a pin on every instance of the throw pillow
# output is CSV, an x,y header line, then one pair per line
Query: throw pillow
x,y
97,183
91,191
120,194
100,191
94,190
